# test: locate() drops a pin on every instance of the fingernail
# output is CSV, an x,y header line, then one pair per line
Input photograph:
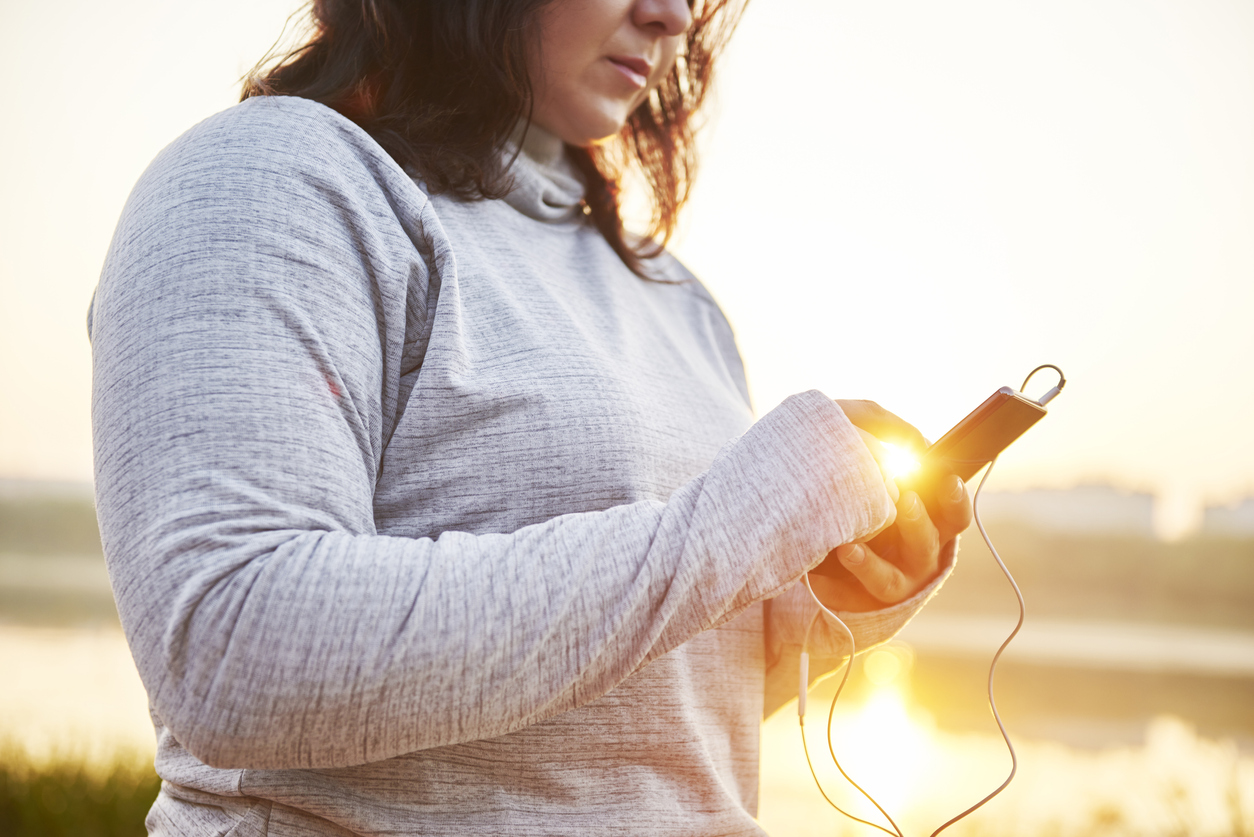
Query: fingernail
x,y
854,556
913,509
955,489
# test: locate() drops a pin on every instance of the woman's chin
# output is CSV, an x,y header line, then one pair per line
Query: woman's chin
x,y
592,127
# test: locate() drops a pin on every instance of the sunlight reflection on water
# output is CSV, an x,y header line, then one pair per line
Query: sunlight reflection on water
x,y
1176,783
76,696
880,746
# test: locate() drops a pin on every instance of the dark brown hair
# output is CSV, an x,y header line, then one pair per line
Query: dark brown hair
x,y
442,84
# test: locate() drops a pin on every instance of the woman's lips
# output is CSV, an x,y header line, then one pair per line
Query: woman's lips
x,y
635,70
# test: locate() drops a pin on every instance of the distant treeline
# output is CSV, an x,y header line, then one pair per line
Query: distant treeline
x,y
48,526
1206,581
1200,581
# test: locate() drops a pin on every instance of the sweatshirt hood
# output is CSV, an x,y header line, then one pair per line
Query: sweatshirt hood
x,y
547,186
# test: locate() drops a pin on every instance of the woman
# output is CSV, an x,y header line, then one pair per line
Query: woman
x,y
432,501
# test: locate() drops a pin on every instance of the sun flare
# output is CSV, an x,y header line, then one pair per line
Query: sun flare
x,y
898,461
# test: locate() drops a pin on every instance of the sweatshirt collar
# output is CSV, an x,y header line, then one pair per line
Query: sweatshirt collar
x,y
547,186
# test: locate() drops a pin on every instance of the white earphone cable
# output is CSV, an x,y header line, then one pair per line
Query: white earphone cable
x,y
805,659
844,678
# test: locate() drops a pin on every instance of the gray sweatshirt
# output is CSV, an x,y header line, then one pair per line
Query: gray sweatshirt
x,y
428,517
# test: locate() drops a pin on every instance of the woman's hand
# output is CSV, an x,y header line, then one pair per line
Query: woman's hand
x,y
884,426
876,425
904,558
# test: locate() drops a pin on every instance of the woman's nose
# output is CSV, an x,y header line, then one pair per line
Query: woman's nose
x,y
668,17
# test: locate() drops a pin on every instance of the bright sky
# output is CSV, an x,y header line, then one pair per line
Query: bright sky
x,y
906,201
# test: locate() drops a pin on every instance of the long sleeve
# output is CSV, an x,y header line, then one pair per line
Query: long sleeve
x,y
251,328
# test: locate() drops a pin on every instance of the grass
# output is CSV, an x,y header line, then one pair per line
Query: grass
x,y
64,798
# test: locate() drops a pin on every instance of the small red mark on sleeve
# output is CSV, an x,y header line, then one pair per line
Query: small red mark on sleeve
x,y
331,385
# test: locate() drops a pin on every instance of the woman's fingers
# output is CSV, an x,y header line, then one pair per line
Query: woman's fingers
x,y
953,508
918,538
901,562
914,558
847,595
883,425
882,578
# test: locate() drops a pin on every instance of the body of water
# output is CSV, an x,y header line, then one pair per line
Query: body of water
x,y
78,697
1077,643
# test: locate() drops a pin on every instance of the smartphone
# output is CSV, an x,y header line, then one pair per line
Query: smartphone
x,y
976,440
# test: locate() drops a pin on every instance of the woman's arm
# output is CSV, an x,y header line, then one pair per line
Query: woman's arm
x,y
249,332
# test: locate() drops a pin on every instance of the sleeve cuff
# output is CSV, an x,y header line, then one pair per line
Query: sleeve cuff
x,y
799,483
792,611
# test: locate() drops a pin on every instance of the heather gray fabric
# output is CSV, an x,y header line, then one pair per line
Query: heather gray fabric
x,y
429,517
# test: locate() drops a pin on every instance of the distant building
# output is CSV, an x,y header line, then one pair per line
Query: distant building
x,y
1085,509
1229,520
